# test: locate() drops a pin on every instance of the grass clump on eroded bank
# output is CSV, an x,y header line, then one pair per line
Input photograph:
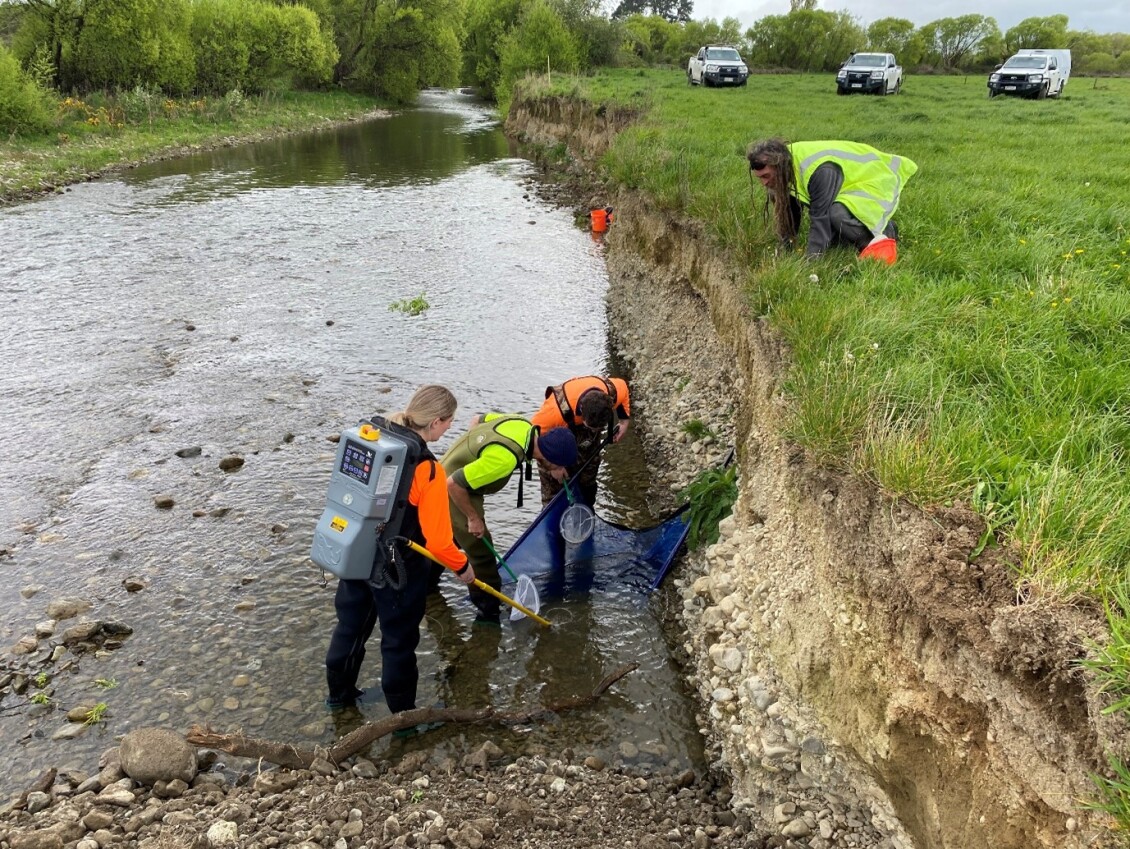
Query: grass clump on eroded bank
x,y
991,364
92,134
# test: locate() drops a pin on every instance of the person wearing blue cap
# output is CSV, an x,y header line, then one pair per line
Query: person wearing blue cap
x,y
481,462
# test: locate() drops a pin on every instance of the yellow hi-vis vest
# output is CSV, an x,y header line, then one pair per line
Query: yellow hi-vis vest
x,y
873,180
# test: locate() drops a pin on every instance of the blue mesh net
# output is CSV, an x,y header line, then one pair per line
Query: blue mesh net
x,y
613,555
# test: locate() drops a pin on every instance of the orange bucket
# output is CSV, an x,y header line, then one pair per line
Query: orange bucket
x,y
885,250
599,220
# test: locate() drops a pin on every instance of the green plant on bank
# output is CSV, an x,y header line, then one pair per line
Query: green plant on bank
x,y
106,683
696,429
141,123
987,366
39,698
96,714
711,495
42,679
1114,793
417,796
411,306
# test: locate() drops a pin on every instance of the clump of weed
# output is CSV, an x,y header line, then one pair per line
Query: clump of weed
x,y
711,495
411,306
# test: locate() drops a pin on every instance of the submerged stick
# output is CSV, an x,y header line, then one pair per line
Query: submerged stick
x,y
301,757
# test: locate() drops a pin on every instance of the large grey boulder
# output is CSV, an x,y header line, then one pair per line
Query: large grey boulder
x,y
156,754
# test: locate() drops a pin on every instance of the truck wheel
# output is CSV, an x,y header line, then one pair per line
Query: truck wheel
x,y
690,79
993,94
1043,92
898,87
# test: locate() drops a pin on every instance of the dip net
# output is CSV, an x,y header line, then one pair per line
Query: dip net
x,y
637,557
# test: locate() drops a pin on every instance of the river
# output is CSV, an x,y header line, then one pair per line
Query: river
x,y
241,303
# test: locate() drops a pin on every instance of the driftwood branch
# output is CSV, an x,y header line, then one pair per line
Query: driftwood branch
x,y
298,757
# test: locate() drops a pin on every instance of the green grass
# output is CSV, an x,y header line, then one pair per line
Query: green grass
x,y
991,364
100,132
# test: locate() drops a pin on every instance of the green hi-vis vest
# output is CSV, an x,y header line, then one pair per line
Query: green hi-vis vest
x,y
471,444
873,180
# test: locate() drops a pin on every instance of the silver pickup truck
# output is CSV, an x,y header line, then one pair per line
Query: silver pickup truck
x,y
869,73
717,64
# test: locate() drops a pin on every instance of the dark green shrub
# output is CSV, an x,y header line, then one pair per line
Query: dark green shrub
x,y
23,105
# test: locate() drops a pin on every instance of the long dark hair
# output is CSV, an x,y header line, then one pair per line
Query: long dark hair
x,y
779,192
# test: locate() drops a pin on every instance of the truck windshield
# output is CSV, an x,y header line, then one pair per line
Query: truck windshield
x,y
723,54
1026,62
868,60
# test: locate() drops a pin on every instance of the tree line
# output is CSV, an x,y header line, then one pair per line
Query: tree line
x,y
392,48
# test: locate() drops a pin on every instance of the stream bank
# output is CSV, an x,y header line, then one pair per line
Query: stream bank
x,y
844,642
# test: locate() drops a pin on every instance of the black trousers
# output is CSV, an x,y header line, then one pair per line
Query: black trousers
x,y
849,230
360,607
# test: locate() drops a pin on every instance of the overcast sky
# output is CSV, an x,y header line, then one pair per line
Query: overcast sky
x,y
1103,16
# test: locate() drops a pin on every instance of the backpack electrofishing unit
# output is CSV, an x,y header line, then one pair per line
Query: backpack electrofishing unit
x,y
356,537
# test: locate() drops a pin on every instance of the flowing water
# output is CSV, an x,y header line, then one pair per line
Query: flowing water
x,y
238,303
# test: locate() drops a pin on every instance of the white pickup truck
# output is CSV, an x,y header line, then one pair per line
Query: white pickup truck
x,y
1032,73
717,64
869,73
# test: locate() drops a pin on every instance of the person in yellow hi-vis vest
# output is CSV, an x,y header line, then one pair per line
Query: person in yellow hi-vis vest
x,y
851,191
480,463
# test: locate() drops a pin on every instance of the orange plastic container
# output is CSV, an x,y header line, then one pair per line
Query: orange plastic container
x,y
885,250
599,220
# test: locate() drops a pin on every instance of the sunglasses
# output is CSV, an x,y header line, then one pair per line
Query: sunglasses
x,y
758,165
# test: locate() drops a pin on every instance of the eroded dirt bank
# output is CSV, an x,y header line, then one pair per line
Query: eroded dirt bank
x,y
842,639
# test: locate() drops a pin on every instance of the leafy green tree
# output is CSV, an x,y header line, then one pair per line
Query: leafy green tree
x,y
175,70
597,35
1097,63
1085,42
486,23
23,105
1049,32
898,36
804,40
220,45
11,14
286,47
670,10
119,45
539,42
410,44
647,36
949,41
51,27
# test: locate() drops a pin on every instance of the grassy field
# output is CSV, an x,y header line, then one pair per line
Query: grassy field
x,y
100,132
991,364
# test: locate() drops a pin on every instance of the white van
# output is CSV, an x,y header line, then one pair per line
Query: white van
x,y
1032,73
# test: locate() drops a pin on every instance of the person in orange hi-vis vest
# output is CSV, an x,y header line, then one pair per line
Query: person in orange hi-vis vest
x,y
597,410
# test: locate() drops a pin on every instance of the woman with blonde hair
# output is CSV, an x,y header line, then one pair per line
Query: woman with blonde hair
x,y
396,597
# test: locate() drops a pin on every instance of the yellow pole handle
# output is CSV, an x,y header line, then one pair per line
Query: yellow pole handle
x,y
487,588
